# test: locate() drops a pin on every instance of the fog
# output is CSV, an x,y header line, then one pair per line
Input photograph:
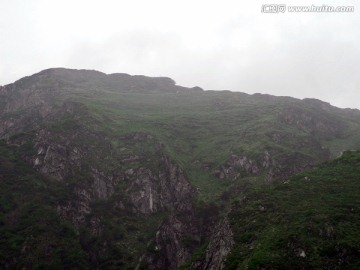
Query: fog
x,y
216,45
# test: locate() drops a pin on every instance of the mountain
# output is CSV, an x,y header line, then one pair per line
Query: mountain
x,y
132,172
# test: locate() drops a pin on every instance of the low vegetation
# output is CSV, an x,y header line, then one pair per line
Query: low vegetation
x,y
309,221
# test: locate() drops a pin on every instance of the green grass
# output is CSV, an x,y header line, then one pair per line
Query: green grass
x,y
193,128
208,127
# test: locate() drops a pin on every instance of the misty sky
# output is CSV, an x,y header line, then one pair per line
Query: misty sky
x,y
212,44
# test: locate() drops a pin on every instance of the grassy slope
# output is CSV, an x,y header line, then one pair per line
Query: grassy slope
x,y
315,212
209,126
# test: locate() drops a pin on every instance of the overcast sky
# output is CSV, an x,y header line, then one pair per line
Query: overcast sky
x,y
212,44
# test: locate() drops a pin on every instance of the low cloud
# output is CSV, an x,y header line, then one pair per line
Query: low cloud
x,y
213,44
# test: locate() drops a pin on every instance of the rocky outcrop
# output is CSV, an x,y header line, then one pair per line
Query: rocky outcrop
x,y
166,189
281,167
185,233
180,236
169,190
146,190
172,245
19,118
235,165
239,166
220,245
290,164
319,123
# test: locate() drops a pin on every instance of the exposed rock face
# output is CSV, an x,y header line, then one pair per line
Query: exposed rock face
x,y
290,164
188,231
61,157
239,166
103,185
167,190
170,249
315,123
54,161
278,164
220,245
148,191
281,167
236,165
19,117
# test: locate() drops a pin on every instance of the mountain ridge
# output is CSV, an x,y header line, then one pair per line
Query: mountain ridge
x,y
99,74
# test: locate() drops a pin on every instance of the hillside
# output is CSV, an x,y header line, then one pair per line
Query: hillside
x,y
144,171
310,221
32,234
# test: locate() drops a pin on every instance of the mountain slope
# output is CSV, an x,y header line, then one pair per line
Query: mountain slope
x,y
310,221
151,165
32,234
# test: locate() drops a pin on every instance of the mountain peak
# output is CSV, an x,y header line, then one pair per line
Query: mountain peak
x,y
93,79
